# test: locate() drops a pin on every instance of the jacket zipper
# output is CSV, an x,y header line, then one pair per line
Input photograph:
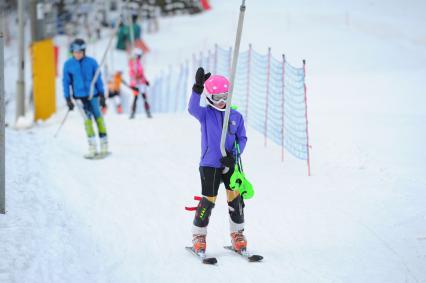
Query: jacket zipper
x,y
82,75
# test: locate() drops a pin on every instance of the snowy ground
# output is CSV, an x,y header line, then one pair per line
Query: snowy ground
x,y
361,217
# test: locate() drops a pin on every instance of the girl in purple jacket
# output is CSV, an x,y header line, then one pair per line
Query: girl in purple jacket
x,y
212,163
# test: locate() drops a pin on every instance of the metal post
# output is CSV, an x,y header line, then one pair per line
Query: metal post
x,y
20,83
33,15
5,22
306,116
36,18
282,109
98,71
2,126
268,78
231,89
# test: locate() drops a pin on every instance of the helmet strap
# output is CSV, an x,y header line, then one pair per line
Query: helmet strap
x,y
209,102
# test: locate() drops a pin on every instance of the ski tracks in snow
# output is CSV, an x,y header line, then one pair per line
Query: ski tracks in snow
x,y
41,239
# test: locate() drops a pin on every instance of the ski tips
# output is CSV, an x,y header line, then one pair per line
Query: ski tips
x,y
210,260
202,256
255,258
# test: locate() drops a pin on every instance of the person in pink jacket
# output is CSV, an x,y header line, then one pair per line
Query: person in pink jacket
x,y
138,82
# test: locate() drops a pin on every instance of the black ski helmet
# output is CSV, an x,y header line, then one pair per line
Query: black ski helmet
x,y
78,45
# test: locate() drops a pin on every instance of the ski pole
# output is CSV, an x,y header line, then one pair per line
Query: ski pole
x,y
62,123
233,71
131,87
80,106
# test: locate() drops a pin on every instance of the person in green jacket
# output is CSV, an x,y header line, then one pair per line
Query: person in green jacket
x,y
124,36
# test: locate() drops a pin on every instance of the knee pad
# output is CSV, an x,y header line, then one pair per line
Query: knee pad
x,y
236,210
202,214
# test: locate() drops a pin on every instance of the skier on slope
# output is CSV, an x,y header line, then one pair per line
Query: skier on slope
x,y
138,82
78,74
114,93
212,163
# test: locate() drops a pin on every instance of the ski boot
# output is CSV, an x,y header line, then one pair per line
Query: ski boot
x,y
146,105
92,148
103,146
238,241
119,109
132,115
199,243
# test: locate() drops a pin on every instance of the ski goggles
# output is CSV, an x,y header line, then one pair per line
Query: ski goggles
x,y
77,47
219,97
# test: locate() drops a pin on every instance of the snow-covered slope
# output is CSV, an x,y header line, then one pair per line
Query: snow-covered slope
x,y
361,217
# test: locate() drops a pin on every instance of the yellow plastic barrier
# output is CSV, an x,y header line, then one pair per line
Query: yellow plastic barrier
x,y
43,62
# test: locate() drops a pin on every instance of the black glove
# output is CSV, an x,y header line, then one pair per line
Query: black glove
x,y
147,83
228,160
70,104
200,79
135,88
102,101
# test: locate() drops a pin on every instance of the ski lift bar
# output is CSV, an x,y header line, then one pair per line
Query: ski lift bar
x,y
232,79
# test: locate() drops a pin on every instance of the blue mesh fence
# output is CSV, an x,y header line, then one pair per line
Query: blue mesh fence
x,y
169,91
270,93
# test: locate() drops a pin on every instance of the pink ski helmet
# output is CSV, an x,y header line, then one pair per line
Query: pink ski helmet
x,y
217,84
216,91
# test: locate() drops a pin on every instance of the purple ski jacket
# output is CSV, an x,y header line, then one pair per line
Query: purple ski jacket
x,y
211,121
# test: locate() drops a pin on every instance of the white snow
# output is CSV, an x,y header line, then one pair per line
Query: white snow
x,y
360,217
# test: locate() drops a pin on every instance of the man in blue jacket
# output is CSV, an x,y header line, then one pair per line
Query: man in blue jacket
x,y
212,163
78,74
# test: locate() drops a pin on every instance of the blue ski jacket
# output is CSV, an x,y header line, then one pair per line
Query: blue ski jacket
x,y
211,121
78,74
